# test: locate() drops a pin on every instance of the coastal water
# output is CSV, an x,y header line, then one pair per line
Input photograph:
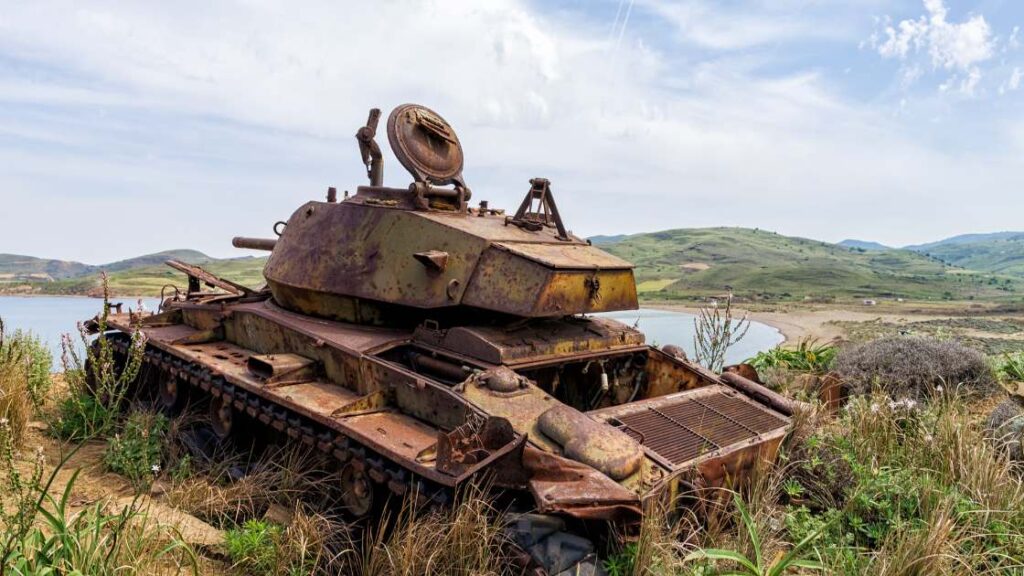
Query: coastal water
x,y
48,317
668,327
51,316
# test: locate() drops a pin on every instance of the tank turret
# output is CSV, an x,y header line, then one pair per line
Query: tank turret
x,y
389,255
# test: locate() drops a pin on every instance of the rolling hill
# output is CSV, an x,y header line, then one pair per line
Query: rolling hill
x,y
863,245
141,276
757,264
672,264
1000,253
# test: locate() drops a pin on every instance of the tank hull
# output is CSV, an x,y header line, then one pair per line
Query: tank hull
x,y
405,407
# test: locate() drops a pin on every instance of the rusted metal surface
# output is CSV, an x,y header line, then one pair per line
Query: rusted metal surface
x,y
693,425
369,150
777,401
537,342
591,442
254,243
534,217
197,275
423,345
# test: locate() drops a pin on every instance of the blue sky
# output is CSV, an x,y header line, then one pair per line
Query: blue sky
x,y
133,128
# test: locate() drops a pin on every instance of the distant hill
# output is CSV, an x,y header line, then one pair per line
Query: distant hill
x,y
863,245
141,276
965,239
14,266
1001,253
673,264
602,239
759,264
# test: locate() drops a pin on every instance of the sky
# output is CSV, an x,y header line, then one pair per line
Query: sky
x,y
130,128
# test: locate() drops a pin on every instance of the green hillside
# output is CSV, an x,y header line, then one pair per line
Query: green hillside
x,y
15,267
765,265
997,253
141,276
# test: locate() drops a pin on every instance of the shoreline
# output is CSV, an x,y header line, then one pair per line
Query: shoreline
x,y
813,323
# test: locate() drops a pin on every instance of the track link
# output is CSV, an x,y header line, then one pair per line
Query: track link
x,y
200,380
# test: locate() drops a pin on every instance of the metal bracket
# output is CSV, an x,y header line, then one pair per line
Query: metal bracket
x,y
531,216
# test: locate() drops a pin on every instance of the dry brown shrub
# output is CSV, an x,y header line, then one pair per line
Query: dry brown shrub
x,y
15,405
912,367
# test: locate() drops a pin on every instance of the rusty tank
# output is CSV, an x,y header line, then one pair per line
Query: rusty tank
x,y
422,341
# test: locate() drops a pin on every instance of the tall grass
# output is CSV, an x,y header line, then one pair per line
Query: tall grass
x,y
97,385
24,378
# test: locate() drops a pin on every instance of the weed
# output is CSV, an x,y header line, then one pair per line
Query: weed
x,y
14,406
1012,367
40,535
97,383
136,451
254,547
808,356
759,564
715,331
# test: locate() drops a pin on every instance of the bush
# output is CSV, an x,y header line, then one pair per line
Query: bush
x,y
1012,367
254,547
136,452
14,406
259,547
97,383
808,356
911,367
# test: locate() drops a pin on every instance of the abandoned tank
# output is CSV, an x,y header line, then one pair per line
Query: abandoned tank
x,y
421,343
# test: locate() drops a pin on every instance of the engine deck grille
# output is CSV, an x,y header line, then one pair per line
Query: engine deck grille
x,y
690,426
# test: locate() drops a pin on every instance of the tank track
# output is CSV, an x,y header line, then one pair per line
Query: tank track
x,y
158,364
345,451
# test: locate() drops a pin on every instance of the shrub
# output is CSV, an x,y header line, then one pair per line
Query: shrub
x,y
39,533
808,356
39,363
14,406
136,452
97,383
254,547
1012,367
911,367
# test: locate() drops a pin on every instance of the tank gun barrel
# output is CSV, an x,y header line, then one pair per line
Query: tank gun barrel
x,y
254,243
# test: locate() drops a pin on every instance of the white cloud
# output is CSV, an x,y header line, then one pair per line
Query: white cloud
x,y
228,115
958,48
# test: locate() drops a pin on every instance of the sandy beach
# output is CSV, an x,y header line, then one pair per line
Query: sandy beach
x,y
815,323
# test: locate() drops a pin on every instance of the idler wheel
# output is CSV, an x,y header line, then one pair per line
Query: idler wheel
x,y
356,491
172,394
222,416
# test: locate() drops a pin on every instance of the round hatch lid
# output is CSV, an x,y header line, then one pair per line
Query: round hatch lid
x,y
425,144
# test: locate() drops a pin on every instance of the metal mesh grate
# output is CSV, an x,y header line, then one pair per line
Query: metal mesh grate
x,y
684,430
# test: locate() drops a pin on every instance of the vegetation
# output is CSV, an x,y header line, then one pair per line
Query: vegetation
x,y
136,452
672,264
755,264
915,368
96,388
759,564
1012,367
808,356
715,331
142,276
1001,252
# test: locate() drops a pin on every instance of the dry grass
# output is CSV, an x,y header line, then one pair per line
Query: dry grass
x,y
468,540
282,476
15,404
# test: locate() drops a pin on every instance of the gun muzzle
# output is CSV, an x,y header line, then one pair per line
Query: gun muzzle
x,y
253,243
